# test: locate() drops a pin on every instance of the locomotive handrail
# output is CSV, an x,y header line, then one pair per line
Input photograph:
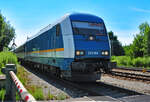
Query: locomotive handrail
x,y
13,84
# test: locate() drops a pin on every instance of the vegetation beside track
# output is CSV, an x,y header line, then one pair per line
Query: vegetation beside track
x,y
35,90
7,57
127,61
2,94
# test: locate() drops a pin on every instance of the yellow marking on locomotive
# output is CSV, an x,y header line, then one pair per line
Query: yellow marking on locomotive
x,y
49,50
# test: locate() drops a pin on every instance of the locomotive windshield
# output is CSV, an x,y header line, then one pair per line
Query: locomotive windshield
x,y
88,28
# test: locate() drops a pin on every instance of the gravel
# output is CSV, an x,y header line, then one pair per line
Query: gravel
x,y
129,84
50,85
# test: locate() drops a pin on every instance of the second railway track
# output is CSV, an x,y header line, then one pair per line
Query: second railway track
x,y
135,76
133,69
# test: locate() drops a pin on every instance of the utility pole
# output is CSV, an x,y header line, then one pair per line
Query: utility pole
x,y
14,44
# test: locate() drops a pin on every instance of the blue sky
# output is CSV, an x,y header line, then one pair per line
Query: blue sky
x,y
121,16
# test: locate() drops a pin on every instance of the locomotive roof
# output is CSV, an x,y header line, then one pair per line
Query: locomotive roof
x,y
73,16
85,17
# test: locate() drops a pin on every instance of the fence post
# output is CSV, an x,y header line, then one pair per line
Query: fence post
x,y
10,87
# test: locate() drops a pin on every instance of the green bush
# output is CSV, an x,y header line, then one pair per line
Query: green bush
x,y
138,62
131,62
122,60
6,58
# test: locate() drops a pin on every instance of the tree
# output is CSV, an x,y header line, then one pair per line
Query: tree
x,y
127,50
137,47
7,32
116,47
141,42
145,32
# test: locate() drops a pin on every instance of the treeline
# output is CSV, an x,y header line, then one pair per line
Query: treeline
x,y
141,43
116,46
140,46
7,33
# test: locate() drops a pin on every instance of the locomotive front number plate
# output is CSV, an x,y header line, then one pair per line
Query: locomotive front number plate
x,y
92,52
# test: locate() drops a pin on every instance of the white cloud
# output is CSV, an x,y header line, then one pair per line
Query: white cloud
x,y
125,40
141,10
21,36
125,36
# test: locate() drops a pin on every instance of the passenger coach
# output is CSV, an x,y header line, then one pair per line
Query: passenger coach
x,y
76,47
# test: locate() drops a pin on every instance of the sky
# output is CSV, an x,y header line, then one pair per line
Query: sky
x,y
120,16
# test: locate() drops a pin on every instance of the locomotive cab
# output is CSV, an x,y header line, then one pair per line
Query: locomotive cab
x,y
92,48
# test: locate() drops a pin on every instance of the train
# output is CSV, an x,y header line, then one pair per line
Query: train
x,y
76,47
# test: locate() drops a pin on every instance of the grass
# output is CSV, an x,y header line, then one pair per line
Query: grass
x,y
7,57
60,96
143,62
2,94
34,90
50,96
22,75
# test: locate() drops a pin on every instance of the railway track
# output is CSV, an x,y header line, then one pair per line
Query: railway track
x,y
131,75
95,91
133,69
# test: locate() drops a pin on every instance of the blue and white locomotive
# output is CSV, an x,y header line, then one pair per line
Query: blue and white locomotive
x,y
76,47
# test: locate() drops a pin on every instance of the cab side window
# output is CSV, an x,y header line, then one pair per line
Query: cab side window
x,y
58,29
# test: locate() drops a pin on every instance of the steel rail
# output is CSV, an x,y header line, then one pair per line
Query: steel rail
x,y
133,69
131,75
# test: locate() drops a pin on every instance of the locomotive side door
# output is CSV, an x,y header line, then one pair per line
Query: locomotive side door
x,y
53,46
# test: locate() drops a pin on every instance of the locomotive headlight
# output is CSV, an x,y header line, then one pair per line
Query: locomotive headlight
x,y
81,52
91,38
106,53
103,53
77,52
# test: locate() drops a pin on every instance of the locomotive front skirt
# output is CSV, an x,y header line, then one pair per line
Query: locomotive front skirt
x,y
76,47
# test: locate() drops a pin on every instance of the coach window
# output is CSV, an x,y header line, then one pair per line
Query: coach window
x,y
57,29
